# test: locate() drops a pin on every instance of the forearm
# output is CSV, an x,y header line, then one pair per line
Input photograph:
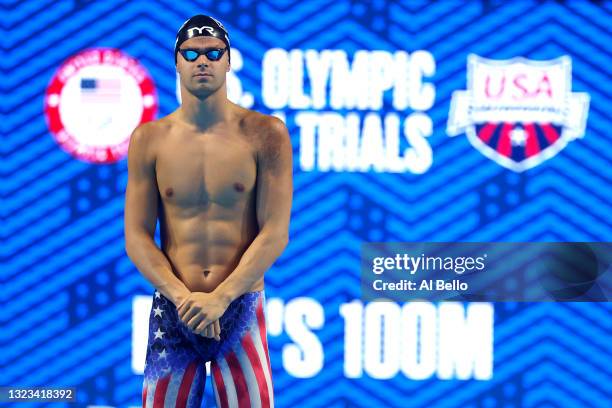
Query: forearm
x,y
155,267
255,261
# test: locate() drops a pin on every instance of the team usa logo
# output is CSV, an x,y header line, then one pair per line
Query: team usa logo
x,y
94,102
518,112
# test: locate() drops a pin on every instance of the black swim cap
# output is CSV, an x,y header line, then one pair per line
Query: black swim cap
x,y
200,26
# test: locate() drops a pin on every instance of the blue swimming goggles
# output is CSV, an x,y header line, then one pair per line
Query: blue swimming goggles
x,y
192,54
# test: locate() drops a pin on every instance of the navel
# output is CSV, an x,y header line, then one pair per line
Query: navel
x,y
206,272
239,187
169,192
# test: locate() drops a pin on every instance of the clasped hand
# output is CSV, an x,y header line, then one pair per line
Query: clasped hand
x,y
200,311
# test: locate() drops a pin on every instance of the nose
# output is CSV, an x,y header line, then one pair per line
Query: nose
x,y
202,60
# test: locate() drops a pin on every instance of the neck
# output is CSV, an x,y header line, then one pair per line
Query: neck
x,y
203,113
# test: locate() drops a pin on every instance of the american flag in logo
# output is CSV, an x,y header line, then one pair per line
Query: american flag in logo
x,y
100,90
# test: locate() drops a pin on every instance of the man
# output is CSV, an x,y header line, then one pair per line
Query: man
x,y
220,179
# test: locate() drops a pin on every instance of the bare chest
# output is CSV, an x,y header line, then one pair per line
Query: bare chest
x,y
205,169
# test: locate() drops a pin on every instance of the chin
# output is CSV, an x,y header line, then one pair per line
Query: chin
x,y
205,89
201,88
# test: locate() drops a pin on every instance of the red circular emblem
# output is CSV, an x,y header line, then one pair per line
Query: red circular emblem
x,y
94,102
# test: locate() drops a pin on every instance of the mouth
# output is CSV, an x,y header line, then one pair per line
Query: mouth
x,y
201,75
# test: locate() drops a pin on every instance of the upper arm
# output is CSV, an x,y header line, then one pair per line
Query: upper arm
x,y
274,177
141,195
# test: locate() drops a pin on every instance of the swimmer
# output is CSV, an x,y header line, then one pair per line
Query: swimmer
x,y
219,179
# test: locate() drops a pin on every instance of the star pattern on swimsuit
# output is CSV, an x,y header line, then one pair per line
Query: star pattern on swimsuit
x,y
158,311
159,334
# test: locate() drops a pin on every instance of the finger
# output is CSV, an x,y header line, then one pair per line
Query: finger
x,y
187,310
180,311
182,308
194,321
217,326
206,323
204,330
189,314
180,305
199,328
209,330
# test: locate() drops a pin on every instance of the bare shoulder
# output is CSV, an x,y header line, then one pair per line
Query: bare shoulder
x,y
145,137
156,127
269,134
261,124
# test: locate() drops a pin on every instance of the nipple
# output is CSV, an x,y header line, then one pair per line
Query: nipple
x,y
239,187
169,192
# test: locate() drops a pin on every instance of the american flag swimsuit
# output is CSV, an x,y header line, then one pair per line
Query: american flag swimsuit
x,y
175,374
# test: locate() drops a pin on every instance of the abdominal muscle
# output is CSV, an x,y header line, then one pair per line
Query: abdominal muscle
x,y
203,251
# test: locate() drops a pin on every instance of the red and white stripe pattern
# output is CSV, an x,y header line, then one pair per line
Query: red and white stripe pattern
x,y
242,378
176,389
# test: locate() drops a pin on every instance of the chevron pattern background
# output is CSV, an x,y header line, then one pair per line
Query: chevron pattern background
x,y
68,285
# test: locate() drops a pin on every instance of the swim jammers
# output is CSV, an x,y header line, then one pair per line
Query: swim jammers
x,y
175,374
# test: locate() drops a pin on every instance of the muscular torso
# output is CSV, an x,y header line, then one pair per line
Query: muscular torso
x,y
207,190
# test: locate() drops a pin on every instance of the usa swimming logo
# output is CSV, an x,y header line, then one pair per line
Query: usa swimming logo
x,y
518,112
